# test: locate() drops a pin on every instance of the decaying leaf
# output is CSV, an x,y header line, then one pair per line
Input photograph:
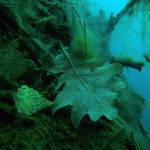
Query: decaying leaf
x,y
89,92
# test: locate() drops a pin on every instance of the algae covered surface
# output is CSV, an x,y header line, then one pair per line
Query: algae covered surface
x,y
59,90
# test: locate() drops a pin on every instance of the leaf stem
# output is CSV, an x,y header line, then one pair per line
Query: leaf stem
x,y
70,63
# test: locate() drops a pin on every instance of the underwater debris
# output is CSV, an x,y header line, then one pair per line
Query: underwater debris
x,y
35,48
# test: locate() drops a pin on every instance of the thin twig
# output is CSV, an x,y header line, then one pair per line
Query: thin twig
x,y
85,40
136,143
83,26
76,12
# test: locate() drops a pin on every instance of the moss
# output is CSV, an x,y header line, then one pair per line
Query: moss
x,y
43,131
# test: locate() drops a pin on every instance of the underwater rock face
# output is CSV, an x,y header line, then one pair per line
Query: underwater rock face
x,y
129,42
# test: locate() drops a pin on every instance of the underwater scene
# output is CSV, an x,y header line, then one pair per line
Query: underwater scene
x,y
74,74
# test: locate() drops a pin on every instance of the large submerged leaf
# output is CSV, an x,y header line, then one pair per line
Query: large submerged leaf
x,y
89,89
89,92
